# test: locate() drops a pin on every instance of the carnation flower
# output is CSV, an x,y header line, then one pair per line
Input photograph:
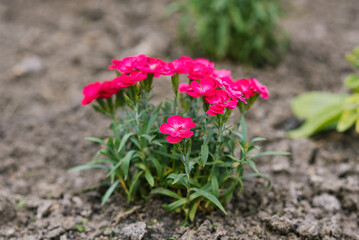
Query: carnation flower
x,y
129,64
219,101
206,87
99,90
183,87
177,128
250,87
125,80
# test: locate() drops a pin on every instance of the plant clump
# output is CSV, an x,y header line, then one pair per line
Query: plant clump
x,y
241,30
183,148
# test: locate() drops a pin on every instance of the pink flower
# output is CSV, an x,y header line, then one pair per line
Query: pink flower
x,y
183,87
200,69
177,128
250,87
155,66
182,65
129,64
219,101
223,74
99,90
215,110
206,87
125,80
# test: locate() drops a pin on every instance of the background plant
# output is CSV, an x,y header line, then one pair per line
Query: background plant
x,y
323,111
182,148
241,30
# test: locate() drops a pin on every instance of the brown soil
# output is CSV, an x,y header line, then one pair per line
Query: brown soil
x,y
51,49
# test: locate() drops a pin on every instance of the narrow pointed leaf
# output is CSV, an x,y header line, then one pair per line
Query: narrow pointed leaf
x,y
109,192
211,198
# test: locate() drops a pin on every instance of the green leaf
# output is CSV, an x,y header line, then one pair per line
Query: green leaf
x,y
252,164
157,166
211,198
308,104
324,119
165,192
149,178
347,119
192,212
133,186
223,36
109,192
176,204
126,163
96,140
204,154
176,177
124,140
88,167
236,18
257,139
352,81
214,185
244,130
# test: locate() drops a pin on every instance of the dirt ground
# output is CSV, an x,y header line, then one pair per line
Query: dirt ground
x,y
51,49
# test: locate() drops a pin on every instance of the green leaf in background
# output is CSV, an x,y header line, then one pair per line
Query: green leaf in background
x,y
149,178
134,185
204,154
350,114
109,192
309,104
215,186
192,212
352,81
323,119
211,198
88,167
165,192
123,141
176,204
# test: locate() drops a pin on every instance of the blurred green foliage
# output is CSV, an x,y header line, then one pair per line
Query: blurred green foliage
x,y
322,111
241,30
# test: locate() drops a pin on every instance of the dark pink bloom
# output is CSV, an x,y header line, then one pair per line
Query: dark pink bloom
x,y
206,87
125,80
219,97
223,74
215,110
219,101
200,69
183,87
177,128
99,90
182,65
155,66
129,64
250,87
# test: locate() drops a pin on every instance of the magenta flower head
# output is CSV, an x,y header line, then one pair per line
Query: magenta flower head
x,y
177,128
99,90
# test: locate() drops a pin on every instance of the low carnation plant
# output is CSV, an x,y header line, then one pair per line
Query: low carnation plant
x,y
183,148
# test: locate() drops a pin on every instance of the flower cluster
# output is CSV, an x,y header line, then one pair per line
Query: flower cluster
x,y
141,161
217,87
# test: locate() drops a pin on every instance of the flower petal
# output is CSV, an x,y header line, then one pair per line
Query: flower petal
x,y
188,123
171,139
165,128
175,121
185,134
